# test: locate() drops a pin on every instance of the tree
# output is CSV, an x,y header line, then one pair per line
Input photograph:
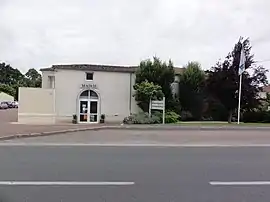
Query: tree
x,y
33,78
146,91
9,75
223,80
159,73
191,89
7,89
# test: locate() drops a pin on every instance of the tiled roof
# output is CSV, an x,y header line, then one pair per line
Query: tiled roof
x,y
104,68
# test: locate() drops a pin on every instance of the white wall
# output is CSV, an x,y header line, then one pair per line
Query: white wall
x,y
113,88
36,106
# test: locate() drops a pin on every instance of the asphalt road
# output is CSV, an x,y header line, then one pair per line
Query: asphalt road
x,y
151,174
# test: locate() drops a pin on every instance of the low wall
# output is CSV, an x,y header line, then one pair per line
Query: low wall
x,y
36,106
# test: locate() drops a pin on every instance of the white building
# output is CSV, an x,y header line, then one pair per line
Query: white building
x,y
4,97
87,91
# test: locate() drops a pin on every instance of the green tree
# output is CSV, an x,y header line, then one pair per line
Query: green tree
x,y
191,89
146,91
33,78
223,80
159,73
7,89
9,75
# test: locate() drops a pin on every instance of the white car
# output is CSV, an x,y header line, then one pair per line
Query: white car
x,y
3,105
15,104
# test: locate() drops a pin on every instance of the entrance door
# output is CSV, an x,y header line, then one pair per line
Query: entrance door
x,y
84,111
88,107
93,111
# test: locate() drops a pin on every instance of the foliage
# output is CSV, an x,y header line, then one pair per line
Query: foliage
x,y
145,91
256,117
191,85
171,117
74,119
141,118
11,79
223,80
156,118
9,75
33,78
159,73
7,89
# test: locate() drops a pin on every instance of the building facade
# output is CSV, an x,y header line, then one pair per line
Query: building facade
x,y
87,91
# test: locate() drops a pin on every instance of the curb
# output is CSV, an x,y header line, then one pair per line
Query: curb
x,y
142,128
49,133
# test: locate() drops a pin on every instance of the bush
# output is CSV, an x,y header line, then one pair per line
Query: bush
x,y
186,116
256,117
171,117
141,118
156,118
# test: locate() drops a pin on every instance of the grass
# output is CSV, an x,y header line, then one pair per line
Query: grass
x,y
213,123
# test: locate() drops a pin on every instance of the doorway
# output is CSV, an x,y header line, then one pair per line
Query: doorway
x,y
88,107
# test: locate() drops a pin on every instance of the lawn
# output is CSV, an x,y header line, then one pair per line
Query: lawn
x,y
213,123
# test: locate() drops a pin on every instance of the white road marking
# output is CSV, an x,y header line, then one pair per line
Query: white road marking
x,y
250,183
63,183
7,144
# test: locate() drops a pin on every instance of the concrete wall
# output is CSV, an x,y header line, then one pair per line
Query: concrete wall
x,y
36,106
5,97
112,87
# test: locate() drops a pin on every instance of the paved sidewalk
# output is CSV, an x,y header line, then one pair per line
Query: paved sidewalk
x,y
7,129
155,137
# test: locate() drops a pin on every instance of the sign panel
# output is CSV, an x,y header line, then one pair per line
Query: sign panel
x,y
156,104
89,86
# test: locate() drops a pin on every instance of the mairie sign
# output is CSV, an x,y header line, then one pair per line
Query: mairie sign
x,y
156,104
89,86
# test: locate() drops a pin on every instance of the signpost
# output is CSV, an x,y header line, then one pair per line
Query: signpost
x,y
158,105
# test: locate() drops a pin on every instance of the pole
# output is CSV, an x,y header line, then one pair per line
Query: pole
x,y
163,117
239,99
149,113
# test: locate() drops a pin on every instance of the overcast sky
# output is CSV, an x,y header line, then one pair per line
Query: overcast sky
x,y
39,33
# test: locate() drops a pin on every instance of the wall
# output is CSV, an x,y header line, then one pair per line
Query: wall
x,y
5,97
113,88
36,106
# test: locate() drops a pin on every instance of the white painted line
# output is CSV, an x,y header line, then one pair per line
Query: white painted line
x,y
62,183
251,183
8,144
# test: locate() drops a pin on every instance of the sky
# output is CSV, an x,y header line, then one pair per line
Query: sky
x,y
38,33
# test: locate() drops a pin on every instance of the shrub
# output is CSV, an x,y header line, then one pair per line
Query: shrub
x,y
186,116
141,118
171,117
256,117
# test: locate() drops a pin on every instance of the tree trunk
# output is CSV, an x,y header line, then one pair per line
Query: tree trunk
x,y
230,116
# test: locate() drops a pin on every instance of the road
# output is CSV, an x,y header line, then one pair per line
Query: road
x,y
69,173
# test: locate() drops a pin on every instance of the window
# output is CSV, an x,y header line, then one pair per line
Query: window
x,y
89,76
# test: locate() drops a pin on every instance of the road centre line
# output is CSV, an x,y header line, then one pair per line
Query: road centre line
x,y
247,183
63,183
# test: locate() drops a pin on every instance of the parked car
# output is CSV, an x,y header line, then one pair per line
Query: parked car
x,y
3,105
15,104
10,104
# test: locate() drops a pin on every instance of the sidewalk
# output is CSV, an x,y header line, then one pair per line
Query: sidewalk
x,y
9,129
